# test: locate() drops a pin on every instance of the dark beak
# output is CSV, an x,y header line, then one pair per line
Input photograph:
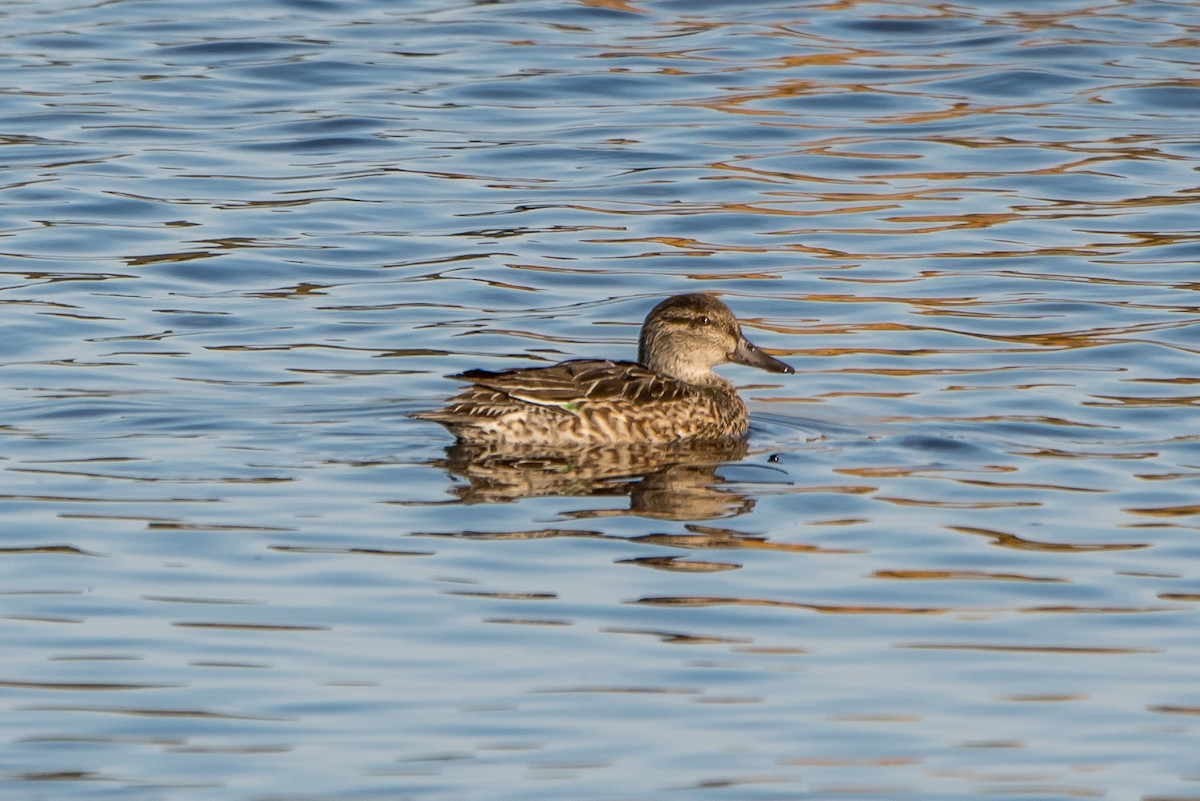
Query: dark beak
x,y
748,353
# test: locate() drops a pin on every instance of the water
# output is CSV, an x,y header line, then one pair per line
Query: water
x,y
957,556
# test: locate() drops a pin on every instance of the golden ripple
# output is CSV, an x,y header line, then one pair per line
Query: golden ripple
x,y
959,504
505,596
1185,510
958,575
975,482
1165,476
840,489
1097,610
679,564
1055,453
701,536
1174,709
676,637
531,534
1006,540
64,776
1122,400
356,551
1034,419
831,609
1180,380
67,549
865,394
83,499
905,472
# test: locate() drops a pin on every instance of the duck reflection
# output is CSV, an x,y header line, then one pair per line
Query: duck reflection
x,y
676,482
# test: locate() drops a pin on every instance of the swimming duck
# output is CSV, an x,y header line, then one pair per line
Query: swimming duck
x,y
671,393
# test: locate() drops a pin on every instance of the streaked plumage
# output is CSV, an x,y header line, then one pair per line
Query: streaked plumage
x,y
670,394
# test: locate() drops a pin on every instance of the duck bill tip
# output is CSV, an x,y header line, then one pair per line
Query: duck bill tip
x,y
751,355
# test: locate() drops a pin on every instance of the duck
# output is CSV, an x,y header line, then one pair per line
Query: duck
x,y
669,395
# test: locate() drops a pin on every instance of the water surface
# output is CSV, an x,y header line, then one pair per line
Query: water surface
x,y
957,555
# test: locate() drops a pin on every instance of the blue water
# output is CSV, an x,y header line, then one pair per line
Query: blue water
x,y
240,242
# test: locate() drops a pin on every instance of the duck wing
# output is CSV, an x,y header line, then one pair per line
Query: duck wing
x,y
580,381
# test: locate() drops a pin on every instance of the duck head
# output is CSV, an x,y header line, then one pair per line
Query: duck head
x,y
685,336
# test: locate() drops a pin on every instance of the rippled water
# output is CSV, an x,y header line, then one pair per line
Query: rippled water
x,y
958,556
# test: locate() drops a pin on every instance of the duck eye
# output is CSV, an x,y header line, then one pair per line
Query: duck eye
x,y
704,320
